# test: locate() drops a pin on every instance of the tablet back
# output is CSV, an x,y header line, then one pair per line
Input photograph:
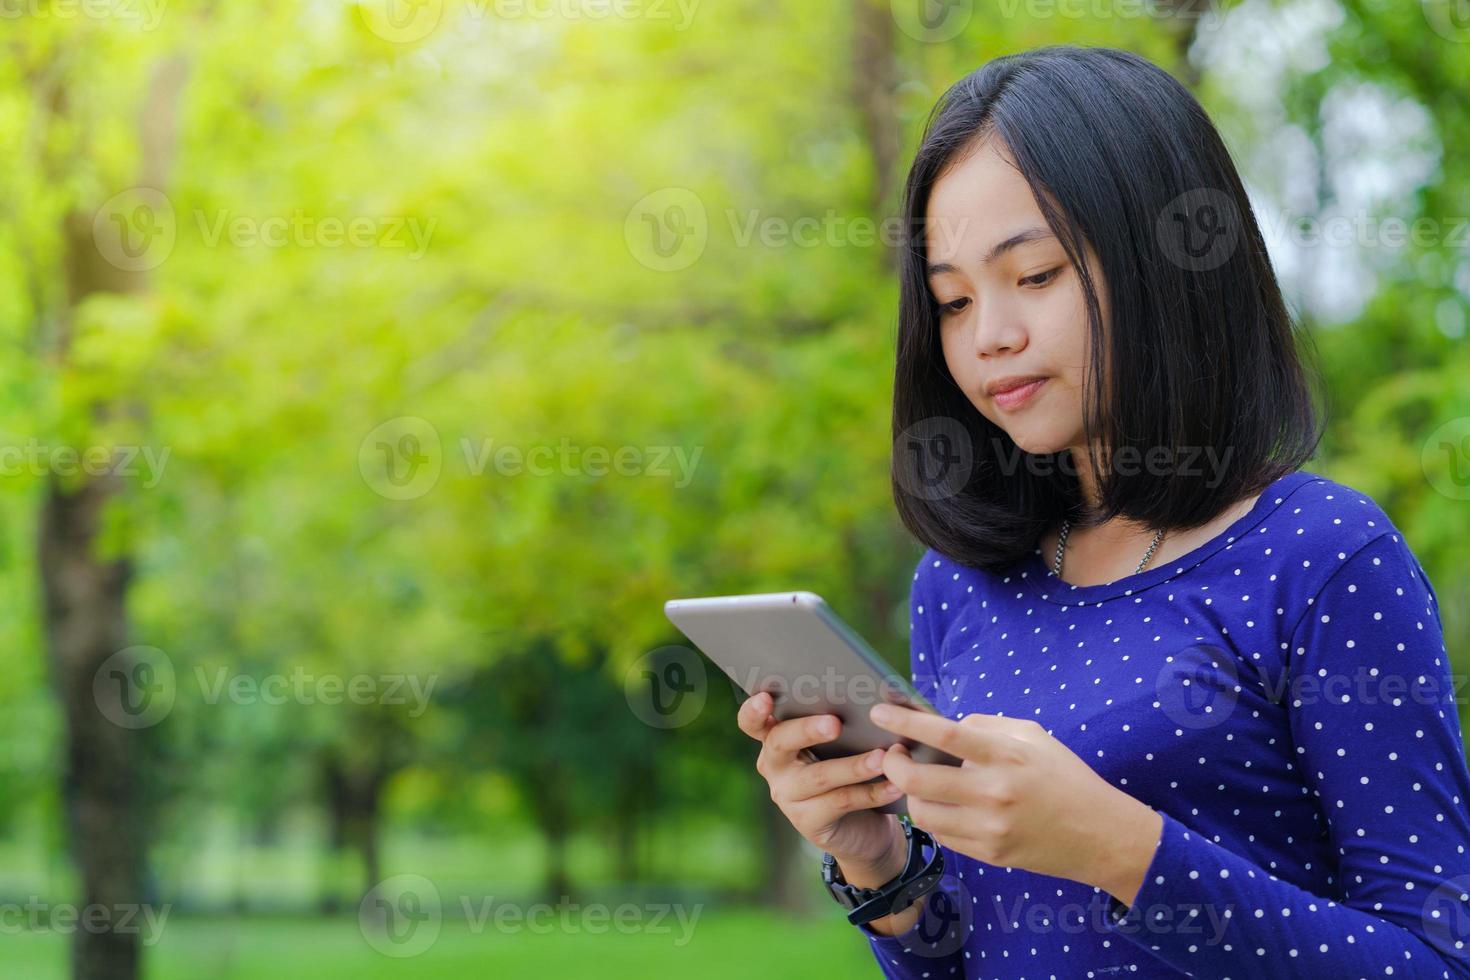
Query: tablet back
x,y
793,645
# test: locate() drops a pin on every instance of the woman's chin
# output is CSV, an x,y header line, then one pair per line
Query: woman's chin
x,y
1036,444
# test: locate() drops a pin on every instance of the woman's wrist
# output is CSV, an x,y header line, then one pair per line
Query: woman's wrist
x,y
1124,854
876,872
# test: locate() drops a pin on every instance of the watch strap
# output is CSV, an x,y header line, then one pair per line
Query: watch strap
x,y
918,877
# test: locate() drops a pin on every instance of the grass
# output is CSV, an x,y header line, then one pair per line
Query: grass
x,y
224,870
720,944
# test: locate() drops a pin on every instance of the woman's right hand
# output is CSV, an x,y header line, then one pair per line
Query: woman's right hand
x,y
830,802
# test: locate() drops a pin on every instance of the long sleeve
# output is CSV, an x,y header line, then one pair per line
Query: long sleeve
x,y
934,946
1373,720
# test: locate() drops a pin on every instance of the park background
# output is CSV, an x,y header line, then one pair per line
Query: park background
x,y
434,344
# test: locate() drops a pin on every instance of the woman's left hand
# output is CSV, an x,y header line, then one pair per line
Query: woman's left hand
x,y
1021,799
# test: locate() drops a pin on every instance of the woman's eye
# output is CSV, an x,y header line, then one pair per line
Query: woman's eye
x,y
1041,278
954,305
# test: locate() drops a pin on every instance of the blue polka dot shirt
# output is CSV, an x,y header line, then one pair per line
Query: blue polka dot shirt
x,y
1281,696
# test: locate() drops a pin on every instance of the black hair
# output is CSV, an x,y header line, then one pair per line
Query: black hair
x,y
1200,353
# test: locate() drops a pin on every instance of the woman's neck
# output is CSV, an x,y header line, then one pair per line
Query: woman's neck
x,y
1112,550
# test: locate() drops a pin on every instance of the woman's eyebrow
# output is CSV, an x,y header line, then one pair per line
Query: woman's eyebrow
x,y
1020,238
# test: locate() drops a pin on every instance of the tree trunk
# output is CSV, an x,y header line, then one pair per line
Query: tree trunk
x,y
354,817
874,80
634,804
1185,26
368,826
334,791
85,600
86,623
784,865
625,841
556,830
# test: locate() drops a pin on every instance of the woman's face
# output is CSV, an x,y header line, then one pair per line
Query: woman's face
x,y
1011,305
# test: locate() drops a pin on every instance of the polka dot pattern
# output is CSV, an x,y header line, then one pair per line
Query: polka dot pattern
x,y
1281,696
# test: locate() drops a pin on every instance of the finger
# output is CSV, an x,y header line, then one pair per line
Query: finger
x,y
959,843
948,820
1020,729
861,796
964,741
794,734
819,777
753,715
931,781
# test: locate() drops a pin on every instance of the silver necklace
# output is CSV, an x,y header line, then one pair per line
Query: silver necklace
x,y
1056,565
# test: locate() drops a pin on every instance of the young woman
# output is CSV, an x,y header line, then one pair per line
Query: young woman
x,y
1201,694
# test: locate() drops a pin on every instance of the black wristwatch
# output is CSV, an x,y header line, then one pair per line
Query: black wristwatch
x,y
917,879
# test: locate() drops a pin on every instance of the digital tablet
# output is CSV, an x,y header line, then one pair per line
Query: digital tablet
x,y
793,645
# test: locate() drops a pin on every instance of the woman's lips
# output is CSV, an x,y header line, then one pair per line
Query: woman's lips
x,y
1016,397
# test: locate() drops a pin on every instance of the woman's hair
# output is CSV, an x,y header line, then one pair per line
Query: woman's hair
x,y
1198,364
